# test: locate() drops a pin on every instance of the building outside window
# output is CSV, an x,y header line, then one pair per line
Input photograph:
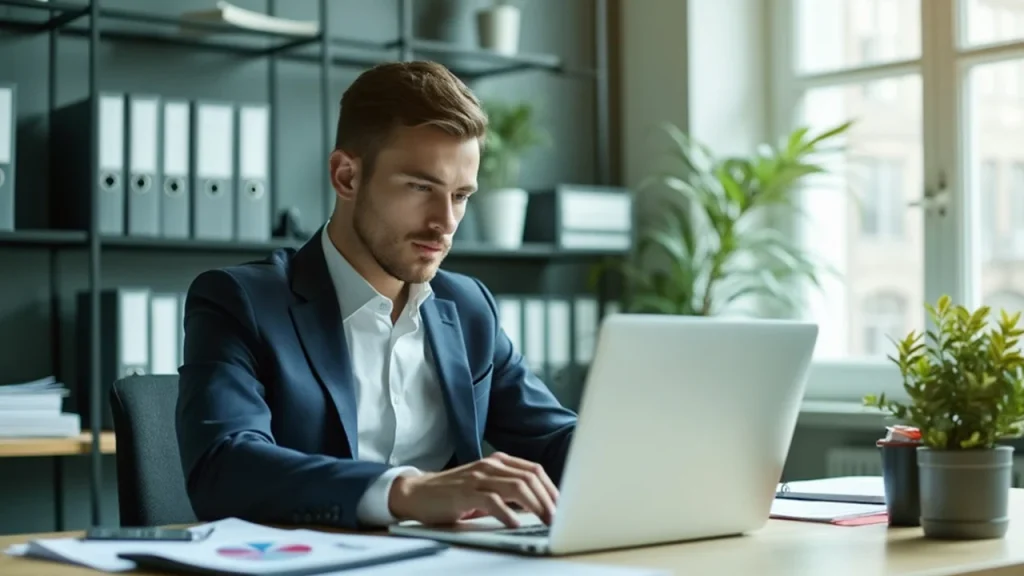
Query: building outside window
x,y
884,319
882,198
831,54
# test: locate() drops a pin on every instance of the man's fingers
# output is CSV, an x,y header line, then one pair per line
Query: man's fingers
x,y
493,504
541,502
531,467
518,491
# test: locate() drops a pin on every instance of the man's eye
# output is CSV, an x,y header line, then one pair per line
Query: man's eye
x,y
421,187
461,197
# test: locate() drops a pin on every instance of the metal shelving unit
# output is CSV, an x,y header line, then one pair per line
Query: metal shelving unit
x,y
100,24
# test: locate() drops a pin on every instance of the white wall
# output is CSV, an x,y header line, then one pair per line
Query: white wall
x,y
700,64
728,64
654,78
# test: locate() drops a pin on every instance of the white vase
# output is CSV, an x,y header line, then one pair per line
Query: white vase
x,y
501,216
498,29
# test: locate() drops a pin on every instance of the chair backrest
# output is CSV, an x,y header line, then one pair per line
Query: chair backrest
x,y
150,481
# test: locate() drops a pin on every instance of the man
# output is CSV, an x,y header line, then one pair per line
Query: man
x,y
351,382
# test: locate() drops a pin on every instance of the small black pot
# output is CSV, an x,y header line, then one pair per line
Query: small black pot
x,y
900,475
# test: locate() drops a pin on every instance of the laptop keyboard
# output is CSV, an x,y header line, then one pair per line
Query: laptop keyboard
x,y
527,531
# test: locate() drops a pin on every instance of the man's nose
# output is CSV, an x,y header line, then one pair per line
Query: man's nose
x,y
443,218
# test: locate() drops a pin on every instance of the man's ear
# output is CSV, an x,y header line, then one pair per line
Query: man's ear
x,y
345,173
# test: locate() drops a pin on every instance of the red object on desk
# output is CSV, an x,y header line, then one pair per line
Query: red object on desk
x,y
865,520
882,518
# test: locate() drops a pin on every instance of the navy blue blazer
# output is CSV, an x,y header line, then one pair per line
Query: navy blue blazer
x,y
266,413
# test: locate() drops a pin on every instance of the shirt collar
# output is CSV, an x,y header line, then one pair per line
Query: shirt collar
x,y
354,292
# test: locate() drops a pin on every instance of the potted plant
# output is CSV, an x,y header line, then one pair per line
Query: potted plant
x,y
500,205
964,380
713,247
498,28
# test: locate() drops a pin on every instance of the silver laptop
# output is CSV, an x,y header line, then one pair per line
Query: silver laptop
x,y
684,427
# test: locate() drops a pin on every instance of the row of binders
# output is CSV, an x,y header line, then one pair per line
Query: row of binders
x,y
170,167
165,167
552,332
142,331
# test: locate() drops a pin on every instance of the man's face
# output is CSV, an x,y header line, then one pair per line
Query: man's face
x,y
408,210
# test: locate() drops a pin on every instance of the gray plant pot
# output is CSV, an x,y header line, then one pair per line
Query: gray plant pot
x,y
965,493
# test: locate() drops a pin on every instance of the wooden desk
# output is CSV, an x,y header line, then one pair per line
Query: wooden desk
x,y
70,446
782,548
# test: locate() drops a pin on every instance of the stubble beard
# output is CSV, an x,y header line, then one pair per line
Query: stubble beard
x,y
386,248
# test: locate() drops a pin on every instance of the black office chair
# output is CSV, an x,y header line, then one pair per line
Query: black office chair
x,y
150,482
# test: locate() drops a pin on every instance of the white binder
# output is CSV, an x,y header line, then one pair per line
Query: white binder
x,y
510,316
253,192
213,145
8,131
163,334
559,352
175,198
142,200
111,117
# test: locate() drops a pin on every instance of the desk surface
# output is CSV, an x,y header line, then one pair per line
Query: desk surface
x,y
70,446
781,548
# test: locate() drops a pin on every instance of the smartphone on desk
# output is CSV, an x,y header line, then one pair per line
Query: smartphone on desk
x,y
155,534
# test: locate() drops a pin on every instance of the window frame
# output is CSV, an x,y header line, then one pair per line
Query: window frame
x,y
943,68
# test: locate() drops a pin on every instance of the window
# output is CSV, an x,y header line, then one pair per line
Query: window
x,y
950,223
989,195
884,319
883,205
1008,300
1017,209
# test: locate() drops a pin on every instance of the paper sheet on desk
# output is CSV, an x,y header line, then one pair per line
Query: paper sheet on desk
x,y
235,545
460,561
820,511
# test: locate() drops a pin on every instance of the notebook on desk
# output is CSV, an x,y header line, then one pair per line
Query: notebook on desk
x,y
850,489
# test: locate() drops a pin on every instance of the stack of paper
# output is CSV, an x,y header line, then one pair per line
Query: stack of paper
x,y
847,500
34,409
853,489
238,547
830,512
227,13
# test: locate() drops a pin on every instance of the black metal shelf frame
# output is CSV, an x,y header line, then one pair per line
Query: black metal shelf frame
x,y
87,19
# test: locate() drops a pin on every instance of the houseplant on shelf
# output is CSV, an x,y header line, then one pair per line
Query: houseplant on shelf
x,y
712,247
500,205
964,380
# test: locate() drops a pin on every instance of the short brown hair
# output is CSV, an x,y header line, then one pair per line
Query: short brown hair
x,y
405,94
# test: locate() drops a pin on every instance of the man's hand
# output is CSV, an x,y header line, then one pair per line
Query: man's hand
x,y
481,488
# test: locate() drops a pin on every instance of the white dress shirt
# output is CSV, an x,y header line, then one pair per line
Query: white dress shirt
x,y
402,418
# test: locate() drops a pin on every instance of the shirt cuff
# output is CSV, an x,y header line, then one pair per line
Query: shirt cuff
x,y
373,508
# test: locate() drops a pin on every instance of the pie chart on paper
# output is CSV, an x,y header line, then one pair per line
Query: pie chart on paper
x,y
265,551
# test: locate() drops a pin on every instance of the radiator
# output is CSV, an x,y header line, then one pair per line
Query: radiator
x,y
850,461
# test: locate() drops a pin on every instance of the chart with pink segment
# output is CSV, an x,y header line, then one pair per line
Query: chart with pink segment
x,y
265,551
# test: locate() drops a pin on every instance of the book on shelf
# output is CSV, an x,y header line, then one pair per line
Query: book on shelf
x,y
227,13
35,410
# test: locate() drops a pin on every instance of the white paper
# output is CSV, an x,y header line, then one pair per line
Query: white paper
x,y
821,511
459,561
234,545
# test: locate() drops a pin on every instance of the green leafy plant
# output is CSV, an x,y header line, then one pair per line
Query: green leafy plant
x,y
712,237
963,377
512,131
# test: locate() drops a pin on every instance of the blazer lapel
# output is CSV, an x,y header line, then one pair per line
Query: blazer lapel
x,y
448,348
317,319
